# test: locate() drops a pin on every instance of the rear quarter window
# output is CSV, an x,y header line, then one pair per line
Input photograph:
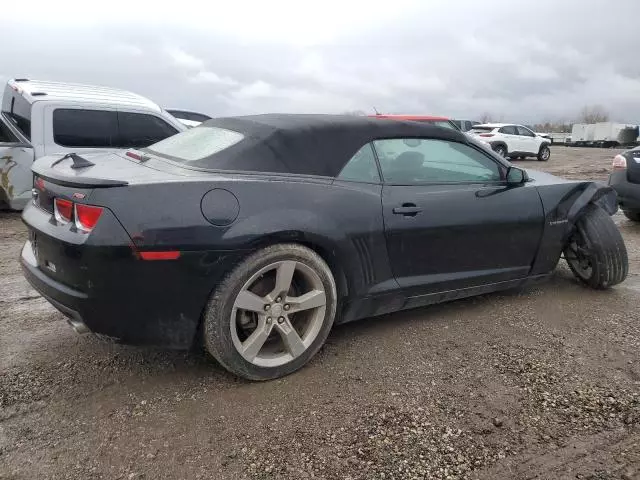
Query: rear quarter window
x,y
139,130
85,128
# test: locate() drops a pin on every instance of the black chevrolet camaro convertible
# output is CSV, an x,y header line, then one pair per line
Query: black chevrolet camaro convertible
x,y
255,235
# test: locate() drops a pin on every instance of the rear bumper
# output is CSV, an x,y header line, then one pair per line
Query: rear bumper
x,y
166,313
64,299
628,193
101,286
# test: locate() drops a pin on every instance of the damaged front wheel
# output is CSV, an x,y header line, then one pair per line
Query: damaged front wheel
x,y
596,252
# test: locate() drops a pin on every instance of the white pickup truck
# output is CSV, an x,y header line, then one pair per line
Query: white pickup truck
x,y
47,118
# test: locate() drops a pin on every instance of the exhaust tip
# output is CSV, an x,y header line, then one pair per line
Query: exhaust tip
x,y
78,326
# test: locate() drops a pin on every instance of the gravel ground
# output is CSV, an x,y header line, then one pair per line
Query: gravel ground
x,y
536,383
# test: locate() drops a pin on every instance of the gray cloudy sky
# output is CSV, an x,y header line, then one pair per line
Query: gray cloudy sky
x,y
522,61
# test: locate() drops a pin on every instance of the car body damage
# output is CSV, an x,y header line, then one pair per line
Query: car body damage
x,y
333,219
5,180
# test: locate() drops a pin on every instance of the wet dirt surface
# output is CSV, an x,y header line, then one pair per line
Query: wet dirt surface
x,y
541,382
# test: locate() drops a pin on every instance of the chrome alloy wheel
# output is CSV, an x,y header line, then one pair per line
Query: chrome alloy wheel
x,y
278,313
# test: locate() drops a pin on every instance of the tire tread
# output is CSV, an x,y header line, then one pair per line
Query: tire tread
x,y
610,263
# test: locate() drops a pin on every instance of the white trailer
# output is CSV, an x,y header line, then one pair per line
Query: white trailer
x,y
610,134
579,133
604,134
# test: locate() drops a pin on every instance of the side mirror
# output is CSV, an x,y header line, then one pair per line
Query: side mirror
x,y
516,176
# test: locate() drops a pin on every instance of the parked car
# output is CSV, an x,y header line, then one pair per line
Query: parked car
x,y
190,119
255,235
45,118
625,179
513,141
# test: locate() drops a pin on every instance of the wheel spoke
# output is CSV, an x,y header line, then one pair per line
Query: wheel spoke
x,y
292,341
284,277
252,345
312,299
247,300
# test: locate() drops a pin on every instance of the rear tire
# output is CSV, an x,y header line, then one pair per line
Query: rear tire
x,y
596,252
275,334
544,154
633,215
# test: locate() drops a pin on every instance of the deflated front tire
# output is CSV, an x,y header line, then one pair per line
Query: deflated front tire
x,y
596,252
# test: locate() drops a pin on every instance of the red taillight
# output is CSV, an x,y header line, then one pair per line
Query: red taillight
x,y
486,135
63,210
619,162
39,183
87,216
167,255
134,155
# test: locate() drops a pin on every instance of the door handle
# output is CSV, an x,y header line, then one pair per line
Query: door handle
x,y
407,209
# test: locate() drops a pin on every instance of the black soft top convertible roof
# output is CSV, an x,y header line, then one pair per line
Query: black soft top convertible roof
x,y
308,144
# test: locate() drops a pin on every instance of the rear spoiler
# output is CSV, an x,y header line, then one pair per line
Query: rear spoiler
x,y
51,175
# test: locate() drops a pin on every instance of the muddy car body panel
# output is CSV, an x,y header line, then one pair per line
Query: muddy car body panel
x,y
170,231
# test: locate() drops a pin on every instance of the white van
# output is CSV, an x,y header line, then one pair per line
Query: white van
x,y
47,118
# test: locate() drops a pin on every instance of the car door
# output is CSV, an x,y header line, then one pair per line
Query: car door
x,y
511,138
451,220
527,139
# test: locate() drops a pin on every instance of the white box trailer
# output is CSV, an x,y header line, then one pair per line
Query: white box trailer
x,y
606,134
579,133
609,133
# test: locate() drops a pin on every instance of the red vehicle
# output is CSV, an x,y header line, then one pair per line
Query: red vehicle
x,y
437,121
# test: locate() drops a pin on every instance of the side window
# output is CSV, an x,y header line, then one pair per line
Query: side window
x,y
525,132
18,113
509,130
139,130
5,134
411,161
85,128
361,167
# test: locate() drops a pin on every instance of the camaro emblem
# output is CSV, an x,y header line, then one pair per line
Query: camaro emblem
x,y
78,195
559,222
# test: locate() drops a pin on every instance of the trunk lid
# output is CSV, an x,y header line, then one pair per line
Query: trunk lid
x,y
104,170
